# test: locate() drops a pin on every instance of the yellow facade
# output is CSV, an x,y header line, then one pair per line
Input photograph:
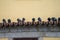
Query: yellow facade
x,y
50,38
29,8
3,38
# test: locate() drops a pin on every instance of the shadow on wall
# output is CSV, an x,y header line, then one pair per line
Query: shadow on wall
x,y
25,39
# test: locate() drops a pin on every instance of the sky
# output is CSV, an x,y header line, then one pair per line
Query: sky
x,y
13,9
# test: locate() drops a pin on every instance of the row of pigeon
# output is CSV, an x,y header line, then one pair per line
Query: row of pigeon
x,y
50,22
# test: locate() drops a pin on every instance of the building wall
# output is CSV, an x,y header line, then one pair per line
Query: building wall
x,y
3,38
29,8
51,38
